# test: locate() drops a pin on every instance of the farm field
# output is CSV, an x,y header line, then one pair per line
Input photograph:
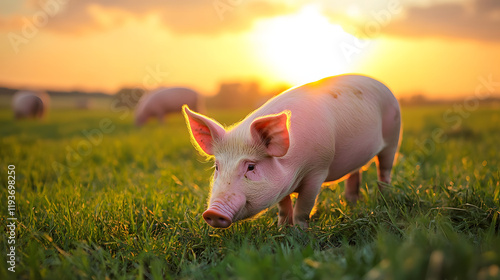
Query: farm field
x,y
98,198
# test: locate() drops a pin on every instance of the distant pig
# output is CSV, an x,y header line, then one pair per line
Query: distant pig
x,y
314,133
30,104
164,101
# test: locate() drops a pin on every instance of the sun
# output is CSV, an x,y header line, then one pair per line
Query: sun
x,y
302,47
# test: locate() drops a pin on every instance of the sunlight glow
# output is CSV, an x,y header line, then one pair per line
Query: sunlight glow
x,y
302,47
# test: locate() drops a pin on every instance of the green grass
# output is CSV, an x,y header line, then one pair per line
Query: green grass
x,y
128,205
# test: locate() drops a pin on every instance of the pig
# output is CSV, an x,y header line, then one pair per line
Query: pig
x,y
164,101
30,104
318,132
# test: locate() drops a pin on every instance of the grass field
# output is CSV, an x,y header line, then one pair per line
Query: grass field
x,y
97,198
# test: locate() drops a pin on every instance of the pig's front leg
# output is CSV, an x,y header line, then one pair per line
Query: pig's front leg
x,y
285,211
308,192
161,117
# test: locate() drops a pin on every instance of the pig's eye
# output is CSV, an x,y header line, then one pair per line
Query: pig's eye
x,y
216,167
251,167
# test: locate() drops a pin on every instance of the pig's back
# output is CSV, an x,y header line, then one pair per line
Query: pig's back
x,y
175,97
168,99
335,121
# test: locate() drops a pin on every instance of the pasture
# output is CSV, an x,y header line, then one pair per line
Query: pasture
x,y
97,198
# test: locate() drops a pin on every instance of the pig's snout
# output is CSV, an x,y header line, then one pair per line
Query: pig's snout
x,y
216,219
222,213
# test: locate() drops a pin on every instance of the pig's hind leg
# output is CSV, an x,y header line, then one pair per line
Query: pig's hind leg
x,y
352,186
391,131
385,160
285,211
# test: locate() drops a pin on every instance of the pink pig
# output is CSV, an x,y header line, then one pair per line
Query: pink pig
x,y
164,101
314,133
30,104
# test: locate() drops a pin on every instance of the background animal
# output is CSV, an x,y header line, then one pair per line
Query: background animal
x,y
30,104
163,101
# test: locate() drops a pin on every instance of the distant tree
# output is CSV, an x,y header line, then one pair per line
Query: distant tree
x,y
414,100
83,103
264,97
7,91
128,97
418,99
236,95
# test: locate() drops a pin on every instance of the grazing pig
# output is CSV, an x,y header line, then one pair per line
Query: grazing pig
x,y
164,101
30,104
314,133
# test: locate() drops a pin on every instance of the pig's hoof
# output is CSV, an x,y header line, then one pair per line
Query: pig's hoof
x,y
302,225
352,198
216,219
285,221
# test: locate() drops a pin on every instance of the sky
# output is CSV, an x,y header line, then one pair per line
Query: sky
x,y
440,48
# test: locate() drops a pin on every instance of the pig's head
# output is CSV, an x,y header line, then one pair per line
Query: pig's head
x,y
248,177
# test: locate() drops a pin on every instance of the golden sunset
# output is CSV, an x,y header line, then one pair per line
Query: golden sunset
x,y
437,49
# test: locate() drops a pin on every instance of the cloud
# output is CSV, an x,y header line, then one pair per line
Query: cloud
x,y
473,19
478,20
182,17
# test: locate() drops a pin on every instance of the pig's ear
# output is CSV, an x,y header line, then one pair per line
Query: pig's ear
x,y
272,132
203,130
